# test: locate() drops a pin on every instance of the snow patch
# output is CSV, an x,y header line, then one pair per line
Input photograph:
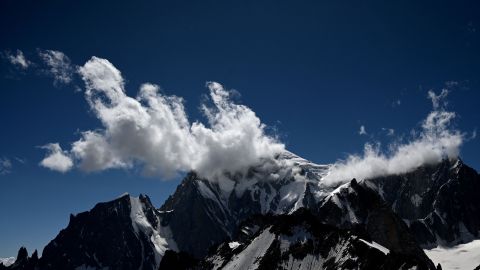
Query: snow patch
x,y
248,258
141,224
337,197
233,245
464,256
375,245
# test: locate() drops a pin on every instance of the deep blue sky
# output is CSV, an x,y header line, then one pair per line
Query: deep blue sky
x,y
314,70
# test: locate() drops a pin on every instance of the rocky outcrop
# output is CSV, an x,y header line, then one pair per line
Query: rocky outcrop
x,y
438,202
301,241
121,234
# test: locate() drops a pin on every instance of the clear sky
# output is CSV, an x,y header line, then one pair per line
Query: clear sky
x,y
313,71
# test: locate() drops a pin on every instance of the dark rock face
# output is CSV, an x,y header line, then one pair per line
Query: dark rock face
x,y
22,255
23,261
300,241
178,261
200,213
357,206
212,219
103,233
196,222
438,202
101,237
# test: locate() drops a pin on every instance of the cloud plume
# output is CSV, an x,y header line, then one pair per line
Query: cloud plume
x,y
5,166
437,140
18,60
153,131
58,66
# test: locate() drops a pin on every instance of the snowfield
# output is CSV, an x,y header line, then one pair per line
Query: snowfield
x,y
465,256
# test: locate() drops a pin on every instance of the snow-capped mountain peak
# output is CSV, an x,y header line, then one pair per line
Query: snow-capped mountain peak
x,y
397,213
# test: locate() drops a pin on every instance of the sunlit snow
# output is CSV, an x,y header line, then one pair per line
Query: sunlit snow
x,y
465,256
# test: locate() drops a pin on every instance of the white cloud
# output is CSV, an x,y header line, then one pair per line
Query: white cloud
x,y
20,160
18,60
436,141
59,66
389,131
396,103
436,99
362,130
7,261
5,166
451,84
154,131
56,159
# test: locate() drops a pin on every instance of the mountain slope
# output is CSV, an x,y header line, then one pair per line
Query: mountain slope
x,y
300,241
438,202
211,213
464,256
121,234
129,233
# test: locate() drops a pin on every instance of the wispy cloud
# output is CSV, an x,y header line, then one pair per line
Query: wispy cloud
x,y
451,84
21,160
58,66
362,130
5,166
437,100
396,103
18,60
389,131
153,130
435,141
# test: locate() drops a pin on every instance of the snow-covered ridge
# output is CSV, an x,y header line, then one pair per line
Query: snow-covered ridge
x,y
375,245
248,258
278,185
160,237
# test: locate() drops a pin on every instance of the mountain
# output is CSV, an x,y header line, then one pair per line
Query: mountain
x,y
125,233
438,202
355,206
201,222
212,212
299,241
23,261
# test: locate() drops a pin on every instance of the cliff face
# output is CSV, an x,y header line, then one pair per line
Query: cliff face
x,y
439,203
